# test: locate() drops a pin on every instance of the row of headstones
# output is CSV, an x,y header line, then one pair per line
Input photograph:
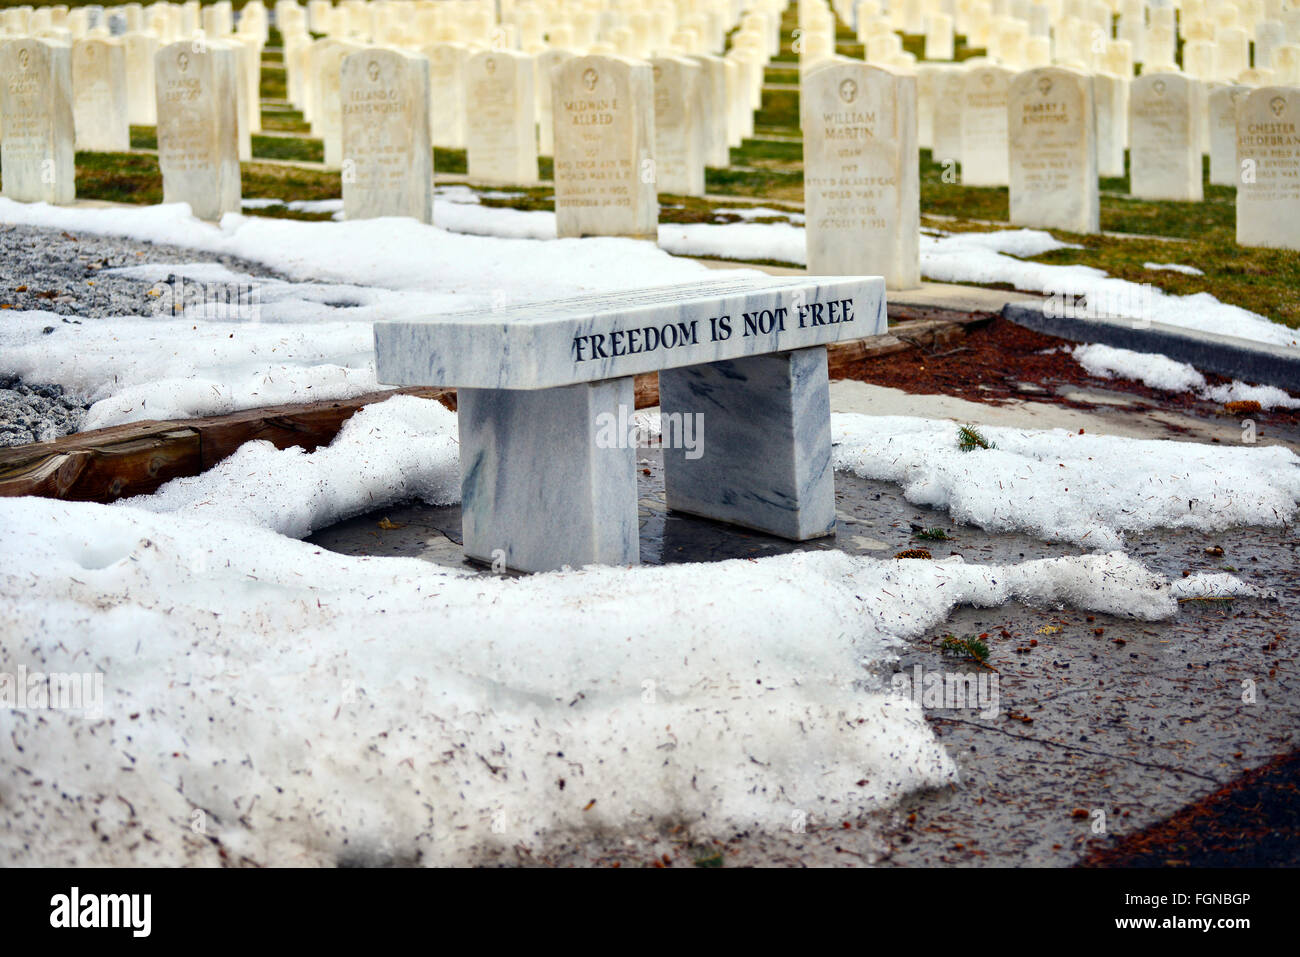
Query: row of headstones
x,y
113,87
384,142
700,26
861,182
1080,35
497,105
1167,121
736,78
167,21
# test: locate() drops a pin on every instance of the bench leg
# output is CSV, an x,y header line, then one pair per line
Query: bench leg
x,y
536,488
764,461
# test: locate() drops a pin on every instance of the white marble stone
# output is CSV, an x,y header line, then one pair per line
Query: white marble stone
x,y
1052,132
1268,149
543,345
327,109
447,93
198,148
537,490
99,96
141,100
501,116
545,394
387,155
36,142
861,173
1110,93
1164,137
761,450
604,148
1223,102
678,126
949,97
984,157
544,63
712,104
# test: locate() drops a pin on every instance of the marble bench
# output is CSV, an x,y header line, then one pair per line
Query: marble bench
x,y
542,388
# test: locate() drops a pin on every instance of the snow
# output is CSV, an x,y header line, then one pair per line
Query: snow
x,y
474,250
312,335
311,708
749,213
1174,267
968,257
297,205
388,253
393,451
777,242
1216,585
1161,372
319,708
1059,486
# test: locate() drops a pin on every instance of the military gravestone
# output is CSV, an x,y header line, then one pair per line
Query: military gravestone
x,y
604,148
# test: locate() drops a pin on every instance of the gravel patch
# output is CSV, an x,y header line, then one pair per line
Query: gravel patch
x,y
36,413
66,274
62,273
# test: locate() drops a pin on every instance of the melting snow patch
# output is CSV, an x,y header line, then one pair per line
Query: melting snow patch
x,y
1059,486
1216,585
1169,375
401,449
311,707
1174,267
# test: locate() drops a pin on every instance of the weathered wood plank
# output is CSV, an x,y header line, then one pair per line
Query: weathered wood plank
x,y
134,459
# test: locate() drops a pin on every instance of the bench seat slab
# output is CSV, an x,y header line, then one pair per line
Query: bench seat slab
x,y
536,488
763,459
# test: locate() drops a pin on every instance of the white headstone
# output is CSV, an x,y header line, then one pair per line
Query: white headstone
x,y
950,94
543,64
327,115
1051,126
1223,102
861,175
141,100
1110,93
604,148
198,148
501,118
99,96
1268,151
447,93
1164,140
984,126
36,142
387,156
679,140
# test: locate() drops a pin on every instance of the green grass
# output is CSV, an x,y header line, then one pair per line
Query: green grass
x,y
285,121
135,178
780,108
144,138
449,161
274,82
769,154
298,148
